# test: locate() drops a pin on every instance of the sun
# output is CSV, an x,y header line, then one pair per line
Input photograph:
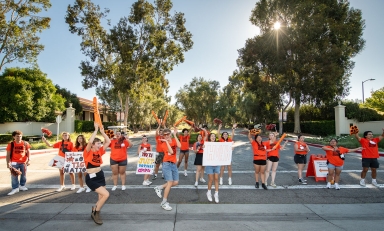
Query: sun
x,y
276,26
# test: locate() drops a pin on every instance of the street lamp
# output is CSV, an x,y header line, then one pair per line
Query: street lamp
x,y
362,86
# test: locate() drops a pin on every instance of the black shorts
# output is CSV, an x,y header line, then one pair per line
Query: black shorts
x,y
260,162
159,158
370,163
198,159
300,159
95,182
120,163
273,158
186,152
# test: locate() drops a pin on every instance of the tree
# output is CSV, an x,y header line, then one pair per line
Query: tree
x,y
28,95
19,24
140,49
69,98
376,101
311,57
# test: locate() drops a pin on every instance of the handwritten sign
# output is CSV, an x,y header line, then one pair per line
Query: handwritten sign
x,y
217,153
56,162
74,162
146,162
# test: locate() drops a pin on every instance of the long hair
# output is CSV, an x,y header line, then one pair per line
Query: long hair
x,y
69,136
222,136
261,142
83,143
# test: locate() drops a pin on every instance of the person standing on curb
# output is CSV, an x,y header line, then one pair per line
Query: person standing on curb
x,y
145,146
213,175
259,159
80,145
272,158
160,156
369,155
184,149
225,138
300,158
18,157
198,148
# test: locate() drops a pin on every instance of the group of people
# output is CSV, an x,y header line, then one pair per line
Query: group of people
x,y
265,160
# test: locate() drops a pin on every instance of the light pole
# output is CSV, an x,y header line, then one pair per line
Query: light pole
x,y
362,86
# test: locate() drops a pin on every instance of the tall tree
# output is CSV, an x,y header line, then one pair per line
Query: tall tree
x,y
376,101
69,98
19,26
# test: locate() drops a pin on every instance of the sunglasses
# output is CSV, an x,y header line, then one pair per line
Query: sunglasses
x,y
166,134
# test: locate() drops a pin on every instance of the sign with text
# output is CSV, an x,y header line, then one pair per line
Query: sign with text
x,y
146,162
217,153
74,162
321,168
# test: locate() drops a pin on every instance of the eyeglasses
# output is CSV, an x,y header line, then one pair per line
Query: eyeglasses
x,y
167,134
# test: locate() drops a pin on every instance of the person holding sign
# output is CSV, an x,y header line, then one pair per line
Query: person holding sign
x,y
119,159
259,159
273,148
225,138
184,149
301,151
198,148
213,175
144,147
335,159
80,145
65,145
95,176
171,174
369,155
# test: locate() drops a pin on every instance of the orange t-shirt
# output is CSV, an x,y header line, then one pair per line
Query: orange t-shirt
x,y
222,139
167,156
370,148
202,133
147,145
272,145
259,152
184,140
200,149
19,151
333,157
159,143
302,146
93,157
119,150
79,149
67,146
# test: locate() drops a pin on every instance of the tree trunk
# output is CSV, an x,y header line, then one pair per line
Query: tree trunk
x,y
126,109
297,115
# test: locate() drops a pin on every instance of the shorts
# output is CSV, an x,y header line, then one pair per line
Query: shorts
x,y
273,158
186,152
300,159
331,166
120,163
212,169
95,182
159,158
198,159
370,163
170,171
260,162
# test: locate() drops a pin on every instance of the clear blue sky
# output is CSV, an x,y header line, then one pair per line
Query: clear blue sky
x,y
219,28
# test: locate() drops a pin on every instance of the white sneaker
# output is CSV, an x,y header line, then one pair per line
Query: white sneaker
x,y
362,182
158,191
202,180
73,187
166,206
80,190
23,188
88,190
273,184
16,190
221,181
61,188
337,186
123,187
114,188
185,173
209,195
230,181
374,183
196,184
329,185
147,183
216,197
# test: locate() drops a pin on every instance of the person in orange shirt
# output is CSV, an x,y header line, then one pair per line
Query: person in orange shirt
x,y
225,138
335,161
301,151
145,146
80,145
198,148
65,145
272,157
170,171
160,155
95,178
369,154
119,159
259,159
18,157
184,149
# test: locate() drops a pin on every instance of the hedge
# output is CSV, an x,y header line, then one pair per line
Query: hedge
x,y
5,138
87,126
320,128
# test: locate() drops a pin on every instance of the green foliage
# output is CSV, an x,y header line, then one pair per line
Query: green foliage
x,y
70,98
5,138
82,126
376,101
320,128
346,141
19,26
28,95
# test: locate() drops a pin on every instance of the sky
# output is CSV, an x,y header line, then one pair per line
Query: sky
x,y
219,29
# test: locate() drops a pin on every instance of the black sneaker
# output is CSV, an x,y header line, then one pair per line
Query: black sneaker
x,y
154,177
302,181
264,186
257,185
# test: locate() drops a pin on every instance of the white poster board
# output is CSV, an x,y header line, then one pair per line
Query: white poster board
x,y
74,162
146,163
56,162
217,153
321,169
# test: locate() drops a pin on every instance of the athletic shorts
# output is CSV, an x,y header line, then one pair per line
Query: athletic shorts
x,y
300,159
273,158
184,151
159,158
95,182
170,171
260,162
370,163
120,163
212,169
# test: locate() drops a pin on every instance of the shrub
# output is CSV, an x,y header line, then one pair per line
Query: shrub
x,y
320,128
5,138
87,126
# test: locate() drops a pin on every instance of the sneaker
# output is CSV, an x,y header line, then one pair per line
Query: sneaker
x,y
73,187
257,185
88,190
158,191
337,187
302,181
264,186
221,181
154,177
123,187
202,180
185,173
273,184
16,190
209,196
196,184
329,185
80,190
114,188
362,182
216,197
23,188
61,188
166,206
374,183
147,183
230,181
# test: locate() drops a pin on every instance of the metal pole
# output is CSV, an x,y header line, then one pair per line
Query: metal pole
x,y
362,87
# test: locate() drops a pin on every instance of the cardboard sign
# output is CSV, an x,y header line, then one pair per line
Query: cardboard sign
x,y
146,163
74,162
217,153
57,162
317,167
